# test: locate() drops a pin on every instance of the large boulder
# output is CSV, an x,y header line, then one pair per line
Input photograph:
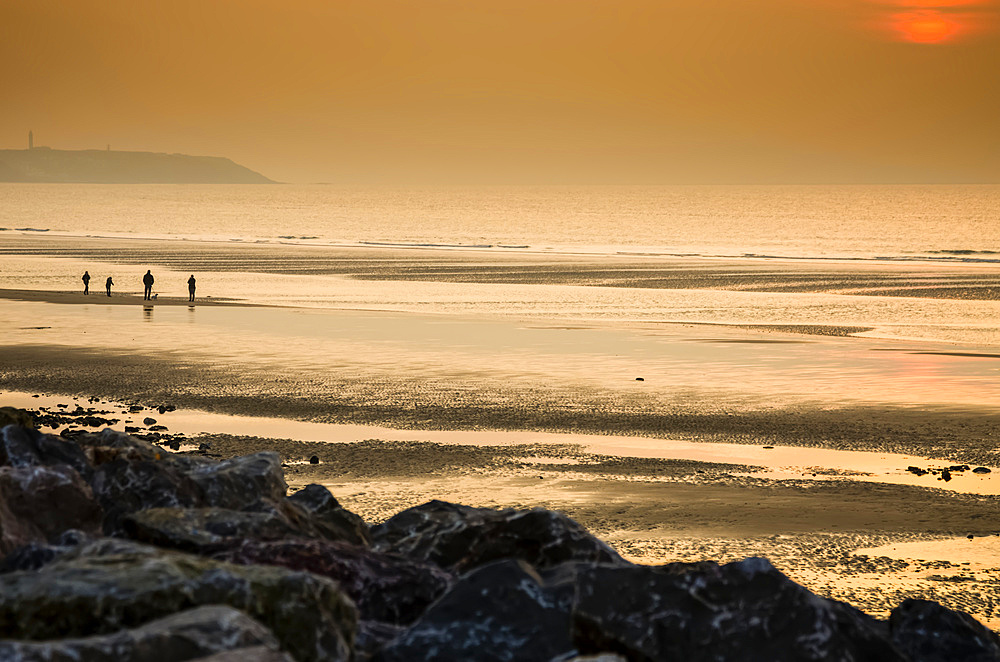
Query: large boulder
x,y
460,538
204,530
500,612
38,503
385,588
241,481
187,635
125,486
706,612
25,447
929,632
338,522
84,594
253,654
109,444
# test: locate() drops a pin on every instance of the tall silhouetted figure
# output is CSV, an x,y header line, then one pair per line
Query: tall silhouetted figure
x,y
147,282
191,282
86,282
108,285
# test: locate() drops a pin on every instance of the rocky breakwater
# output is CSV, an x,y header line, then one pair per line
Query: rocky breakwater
x,y
116,549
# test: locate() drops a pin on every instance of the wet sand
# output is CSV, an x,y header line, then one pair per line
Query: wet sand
x,y
423,357
116,299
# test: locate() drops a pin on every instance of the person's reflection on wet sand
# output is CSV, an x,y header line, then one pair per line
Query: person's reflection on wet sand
x,y
147,312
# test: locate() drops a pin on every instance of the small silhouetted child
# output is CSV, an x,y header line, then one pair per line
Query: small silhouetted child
x,y
108,283
191,283
86,282
147,282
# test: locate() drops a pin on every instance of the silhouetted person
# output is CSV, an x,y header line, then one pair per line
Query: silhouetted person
x,y
191,282
108,285
147,282
86,282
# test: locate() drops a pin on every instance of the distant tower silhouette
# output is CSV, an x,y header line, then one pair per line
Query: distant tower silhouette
x,y
31,140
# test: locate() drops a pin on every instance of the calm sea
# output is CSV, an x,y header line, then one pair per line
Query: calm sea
x,y
933,223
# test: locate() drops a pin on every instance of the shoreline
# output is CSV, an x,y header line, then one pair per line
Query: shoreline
x,y
124,298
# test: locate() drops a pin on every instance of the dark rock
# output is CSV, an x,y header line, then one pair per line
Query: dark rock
x,y
460,538
385,588
204,530
981,470
126,486
314,459
958,468
134,408
373,636
87,595
640,379
30,557
736,612
945,475
240,481
111,444
342,523
255,654
36,555
916,470
14,416
503,611
38,503
929,632
149,420
157,428
25,447
184,636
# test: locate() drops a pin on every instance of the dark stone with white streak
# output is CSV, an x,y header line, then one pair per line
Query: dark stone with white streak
x,y
501,612
38,503
460,538
732,613
929,632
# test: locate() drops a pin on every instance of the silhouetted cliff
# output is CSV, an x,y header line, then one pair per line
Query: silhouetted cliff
x,y
107,167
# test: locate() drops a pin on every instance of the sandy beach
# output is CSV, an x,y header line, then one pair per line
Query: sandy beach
x,y
416,348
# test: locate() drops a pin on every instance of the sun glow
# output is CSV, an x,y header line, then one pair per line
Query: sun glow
x,y
926,26
937,21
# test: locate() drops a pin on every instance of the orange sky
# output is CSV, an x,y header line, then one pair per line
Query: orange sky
x,y
518,90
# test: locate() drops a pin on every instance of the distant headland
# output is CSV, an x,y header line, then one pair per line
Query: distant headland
x,y
43,164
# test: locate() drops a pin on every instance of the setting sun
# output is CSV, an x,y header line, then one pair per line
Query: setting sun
x,y
927,26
